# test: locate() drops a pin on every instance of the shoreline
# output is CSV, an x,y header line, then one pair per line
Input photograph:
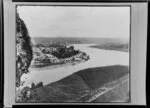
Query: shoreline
x,y
110,48
54,66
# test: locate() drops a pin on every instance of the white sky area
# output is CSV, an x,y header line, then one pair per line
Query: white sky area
x,y
75,21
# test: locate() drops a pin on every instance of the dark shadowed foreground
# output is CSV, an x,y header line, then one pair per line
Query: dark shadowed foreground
x,y
100,84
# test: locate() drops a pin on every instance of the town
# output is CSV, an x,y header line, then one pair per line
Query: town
x,y
57,54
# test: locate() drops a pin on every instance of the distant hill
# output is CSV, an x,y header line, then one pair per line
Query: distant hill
x,y
113,46
74,40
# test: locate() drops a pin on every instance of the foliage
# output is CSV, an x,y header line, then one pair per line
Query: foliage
x,y
64,52
24,49
29,94
33,86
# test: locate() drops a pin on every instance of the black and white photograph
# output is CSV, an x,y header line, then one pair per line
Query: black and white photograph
x,y
72,54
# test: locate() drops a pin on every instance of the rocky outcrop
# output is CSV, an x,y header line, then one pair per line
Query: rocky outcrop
x,y
24,49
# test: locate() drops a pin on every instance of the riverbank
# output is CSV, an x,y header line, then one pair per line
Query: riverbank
x,y
115,47
54,66
78,58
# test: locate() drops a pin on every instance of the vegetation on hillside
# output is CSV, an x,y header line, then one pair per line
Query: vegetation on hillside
x,y
64,52
24,49
23,60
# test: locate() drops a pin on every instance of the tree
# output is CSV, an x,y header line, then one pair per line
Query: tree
x,y
71,47
32,85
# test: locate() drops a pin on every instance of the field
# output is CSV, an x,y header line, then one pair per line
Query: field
x,y
84,85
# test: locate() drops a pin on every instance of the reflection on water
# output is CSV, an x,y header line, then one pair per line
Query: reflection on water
x,y
98,58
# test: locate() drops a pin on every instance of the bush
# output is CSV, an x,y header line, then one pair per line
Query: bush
x,y
34,86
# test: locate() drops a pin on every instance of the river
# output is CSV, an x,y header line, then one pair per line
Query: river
x,y
98,58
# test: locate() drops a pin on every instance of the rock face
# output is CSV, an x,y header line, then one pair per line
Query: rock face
x,y
24,49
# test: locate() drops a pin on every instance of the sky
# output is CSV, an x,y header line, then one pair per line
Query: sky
x,y
76,21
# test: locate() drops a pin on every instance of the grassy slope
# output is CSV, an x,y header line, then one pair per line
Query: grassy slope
x,y
68,89
80,84
119,94
97,77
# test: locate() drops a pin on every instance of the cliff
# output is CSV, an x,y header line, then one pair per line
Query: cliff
x,y
24,49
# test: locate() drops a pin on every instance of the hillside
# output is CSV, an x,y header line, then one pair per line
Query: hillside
x,y
85,86
24,49
113,46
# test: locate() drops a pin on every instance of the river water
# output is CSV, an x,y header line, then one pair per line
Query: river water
x,y
98,58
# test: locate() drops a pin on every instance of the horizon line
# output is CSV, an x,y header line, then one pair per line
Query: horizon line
x,y
76,37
